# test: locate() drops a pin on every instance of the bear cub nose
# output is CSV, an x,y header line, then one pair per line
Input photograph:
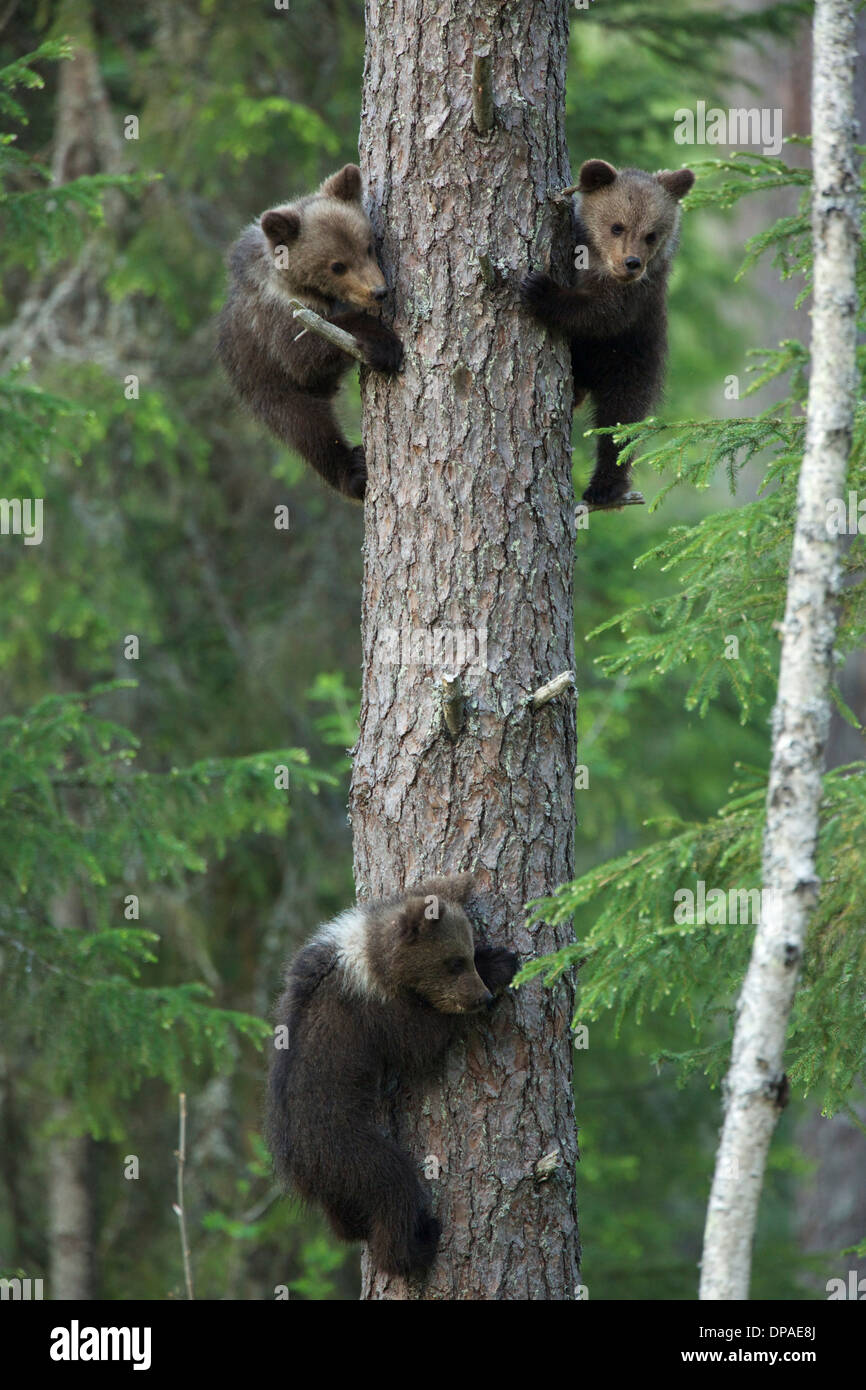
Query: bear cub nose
x,y
383,290
632,262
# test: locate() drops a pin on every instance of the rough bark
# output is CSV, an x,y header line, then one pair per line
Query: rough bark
x,y
755,1082
469,529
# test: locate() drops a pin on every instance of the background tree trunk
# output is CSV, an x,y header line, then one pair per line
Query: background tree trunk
x,y
60,318
755,1082
470,537
70,1214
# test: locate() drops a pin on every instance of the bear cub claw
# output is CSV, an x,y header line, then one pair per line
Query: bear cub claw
x,y
426,1243
606,496
383,354
356,478
537,290
407,1256
496,965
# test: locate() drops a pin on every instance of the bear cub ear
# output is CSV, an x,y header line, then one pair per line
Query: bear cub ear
x,y
454,888
459,887
677,182
281,226
423,906
345,185
413,918
595,173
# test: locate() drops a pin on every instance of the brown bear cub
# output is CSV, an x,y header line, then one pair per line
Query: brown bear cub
x,y
615,314
381,990
318,250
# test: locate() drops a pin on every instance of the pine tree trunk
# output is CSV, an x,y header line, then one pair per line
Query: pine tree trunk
x,y
469,552
755,1084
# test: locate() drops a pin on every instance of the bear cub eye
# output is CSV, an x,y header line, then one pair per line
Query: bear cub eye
x,y
650,238
338,268
370,249
617,229
456,965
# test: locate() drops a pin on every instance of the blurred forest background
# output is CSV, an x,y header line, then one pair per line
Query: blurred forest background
x,y
152,879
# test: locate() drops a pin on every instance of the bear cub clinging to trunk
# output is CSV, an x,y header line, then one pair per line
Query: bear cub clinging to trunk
x,y
615,314
318,250
382,989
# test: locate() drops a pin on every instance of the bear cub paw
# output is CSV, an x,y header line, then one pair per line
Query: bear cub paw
x,y
426,1241
412,1252
383,354
538,291
356,478
607,494
496,965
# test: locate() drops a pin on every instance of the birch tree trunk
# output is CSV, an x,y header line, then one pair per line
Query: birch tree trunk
x,y
468,571
755,1084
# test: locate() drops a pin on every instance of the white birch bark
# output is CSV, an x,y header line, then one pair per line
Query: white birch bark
x,y
755,1084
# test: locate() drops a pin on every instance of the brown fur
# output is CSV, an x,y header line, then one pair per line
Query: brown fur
x,y
616,312
289,377
351,1028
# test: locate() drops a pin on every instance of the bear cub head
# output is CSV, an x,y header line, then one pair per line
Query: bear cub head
x,y
631,217
322,246
423,944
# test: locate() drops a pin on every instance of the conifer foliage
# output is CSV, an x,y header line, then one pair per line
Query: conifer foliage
x,y
84,828
731,573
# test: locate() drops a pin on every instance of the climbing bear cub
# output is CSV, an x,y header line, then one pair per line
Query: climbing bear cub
x,y
380,991
318,250
615,314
